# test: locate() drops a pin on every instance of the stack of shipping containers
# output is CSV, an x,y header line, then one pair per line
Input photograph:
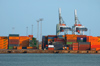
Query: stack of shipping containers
x,y
70,39
95,43
75,46
31,42
3,42
13,41
24,42
51,41
45,42
71,42
59,42
83,45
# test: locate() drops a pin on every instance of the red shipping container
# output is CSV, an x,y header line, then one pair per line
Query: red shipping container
x,y
58,40
52,36
13,41
84,48
30,36
84,45
82,36
75,48
50,48
95,46
75,43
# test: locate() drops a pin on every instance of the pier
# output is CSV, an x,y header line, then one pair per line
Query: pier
x,y
50,51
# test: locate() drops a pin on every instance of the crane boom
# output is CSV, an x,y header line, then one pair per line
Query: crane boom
x,y
60,16
75,16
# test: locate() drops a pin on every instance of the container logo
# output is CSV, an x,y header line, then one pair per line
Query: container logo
x,y
81,38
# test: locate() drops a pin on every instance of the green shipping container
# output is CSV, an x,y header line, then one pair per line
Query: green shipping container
x,y
81,41
13,34
10,47
33,42
69,43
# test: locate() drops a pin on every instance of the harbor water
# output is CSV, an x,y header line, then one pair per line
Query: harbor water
x,y
49,59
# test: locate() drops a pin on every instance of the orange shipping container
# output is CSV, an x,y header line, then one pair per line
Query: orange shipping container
x,y
40,45
50,39
29,47
13,37
97,49
23,37
63,35
72,36
98,39
95,43
92,39
67,48
19,47
3,37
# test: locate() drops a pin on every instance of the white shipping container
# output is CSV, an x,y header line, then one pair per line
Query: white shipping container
x,y
50,45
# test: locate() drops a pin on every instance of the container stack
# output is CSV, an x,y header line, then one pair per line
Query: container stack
x,y
50,47
32,42
81,38
40,46
70,39
61,36
75,46
58,43
13,41
95,43
51,39
84,46
43,42
24,42
3,42
30,37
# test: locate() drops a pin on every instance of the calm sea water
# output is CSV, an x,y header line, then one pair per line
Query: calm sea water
x,y
49,60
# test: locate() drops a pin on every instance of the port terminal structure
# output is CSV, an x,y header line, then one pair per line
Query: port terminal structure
x,y
77,28
61,27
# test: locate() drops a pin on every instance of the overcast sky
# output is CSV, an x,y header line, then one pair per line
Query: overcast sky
x,y
23,13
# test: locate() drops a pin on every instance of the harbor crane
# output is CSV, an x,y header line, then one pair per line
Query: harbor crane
x,y
78,28
61,27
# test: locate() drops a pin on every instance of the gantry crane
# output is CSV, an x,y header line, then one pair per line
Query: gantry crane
x,y
78,28
61,27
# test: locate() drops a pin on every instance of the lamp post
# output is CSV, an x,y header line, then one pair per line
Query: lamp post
x,y
38,30
41,30
32,29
